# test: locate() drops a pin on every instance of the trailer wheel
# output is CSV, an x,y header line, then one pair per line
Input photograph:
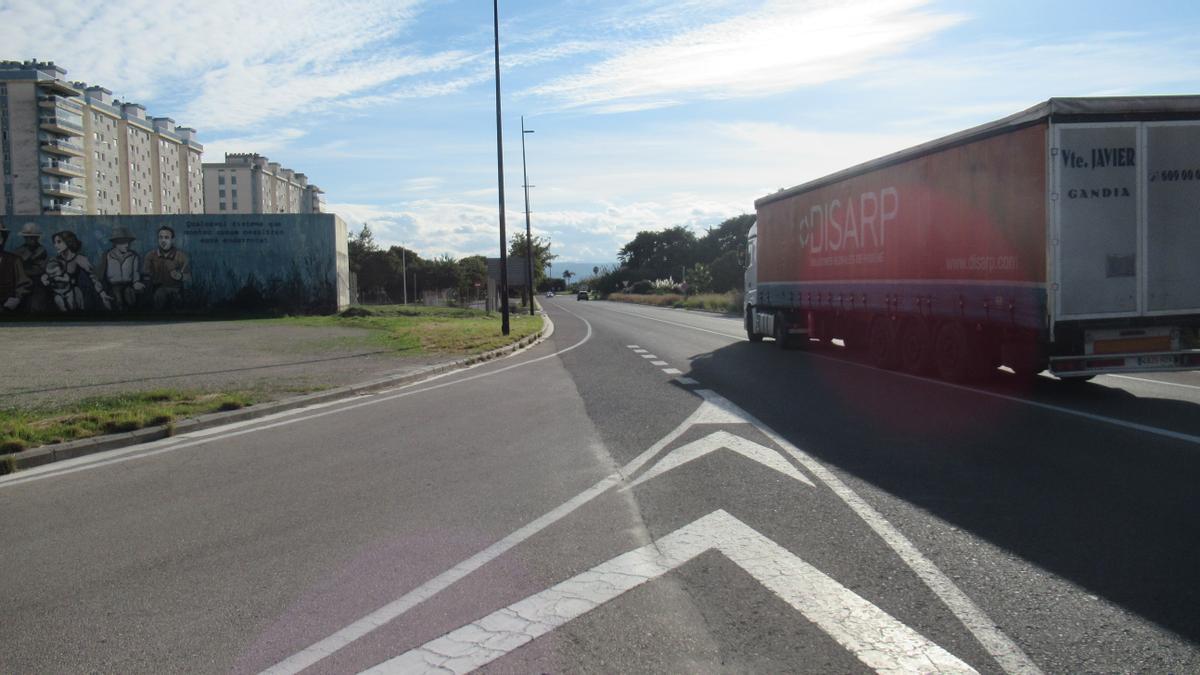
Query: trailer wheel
x,y
750,334
916,347
881,343
955,354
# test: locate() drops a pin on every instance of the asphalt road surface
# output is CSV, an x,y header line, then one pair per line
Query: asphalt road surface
x,y
645,491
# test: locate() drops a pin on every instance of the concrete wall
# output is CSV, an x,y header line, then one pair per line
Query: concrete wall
x,y
287,262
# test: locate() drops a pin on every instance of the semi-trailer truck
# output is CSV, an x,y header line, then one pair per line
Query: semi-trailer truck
x,y
1066,237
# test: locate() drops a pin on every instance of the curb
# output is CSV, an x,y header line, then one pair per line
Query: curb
x,y
47,454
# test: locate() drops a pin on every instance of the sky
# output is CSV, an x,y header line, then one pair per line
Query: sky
x,y
645,115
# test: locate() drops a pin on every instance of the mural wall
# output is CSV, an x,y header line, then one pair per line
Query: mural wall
x,y
169,263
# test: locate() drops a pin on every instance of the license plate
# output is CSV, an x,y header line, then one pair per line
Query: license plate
x,y
1157,360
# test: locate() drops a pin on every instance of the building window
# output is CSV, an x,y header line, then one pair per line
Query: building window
x,y
222,206
234,179
221,193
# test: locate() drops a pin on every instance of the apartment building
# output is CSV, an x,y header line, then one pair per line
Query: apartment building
x,y
68,148
251,183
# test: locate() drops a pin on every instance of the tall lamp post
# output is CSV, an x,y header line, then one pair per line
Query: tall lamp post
x,y
528,236
500,174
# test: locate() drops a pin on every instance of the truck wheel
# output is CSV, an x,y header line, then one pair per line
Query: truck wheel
x,y
954,354
750,334
782,337
881,343
916,347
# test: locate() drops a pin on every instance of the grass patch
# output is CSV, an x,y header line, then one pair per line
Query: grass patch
x,y
728,303
23,428
416,329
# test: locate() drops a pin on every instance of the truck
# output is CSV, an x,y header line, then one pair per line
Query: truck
x,y
1064,237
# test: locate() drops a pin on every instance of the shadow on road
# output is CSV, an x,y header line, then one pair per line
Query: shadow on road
x,y
1112,509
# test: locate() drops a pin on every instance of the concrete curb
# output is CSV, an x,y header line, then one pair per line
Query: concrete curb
x,y
46,454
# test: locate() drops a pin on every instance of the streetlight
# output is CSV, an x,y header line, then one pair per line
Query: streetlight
x,y
528,236
500,174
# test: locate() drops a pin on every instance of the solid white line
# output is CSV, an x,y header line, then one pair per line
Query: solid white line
x,y
1006,652
319,650
878,640
292,417
1158,431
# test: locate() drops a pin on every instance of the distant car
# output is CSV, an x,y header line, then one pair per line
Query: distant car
x,y
582,295
549,294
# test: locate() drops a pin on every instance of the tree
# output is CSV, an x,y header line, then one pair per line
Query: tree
x,y
541,254
567,274
359,246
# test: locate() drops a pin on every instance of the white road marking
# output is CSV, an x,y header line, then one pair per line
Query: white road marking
x,y
632,346
658,363
1006,652
686,381
649,356
721,440
872,635
672,371
713,410
707,413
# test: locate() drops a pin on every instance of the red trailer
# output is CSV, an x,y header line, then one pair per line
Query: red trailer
x,y
1066,236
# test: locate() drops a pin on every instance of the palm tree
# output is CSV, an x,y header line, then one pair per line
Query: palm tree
x,y
567,274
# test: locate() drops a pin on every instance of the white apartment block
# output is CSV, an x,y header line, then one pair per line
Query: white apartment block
x,y
251,183
71,149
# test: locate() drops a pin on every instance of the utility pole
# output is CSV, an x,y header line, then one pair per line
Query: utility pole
x,y
404,273
528,236
504,328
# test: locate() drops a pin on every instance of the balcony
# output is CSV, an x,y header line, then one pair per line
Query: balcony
x,y
56,101
61,208
61,167
61,124
60,146
62,188
57,87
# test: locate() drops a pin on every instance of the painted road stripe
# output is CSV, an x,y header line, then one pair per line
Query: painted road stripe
x,y
876,638
658,363
632,346
705,414
672,371
1006,652
686,381
649,356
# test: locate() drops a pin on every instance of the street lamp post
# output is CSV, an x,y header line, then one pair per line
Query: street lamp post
x,y
500,177
528,236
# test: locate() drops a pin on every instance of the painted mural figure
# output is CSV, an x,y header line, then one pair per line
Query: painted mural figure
x,y
33,257
120,272
14,284
73,266
168,269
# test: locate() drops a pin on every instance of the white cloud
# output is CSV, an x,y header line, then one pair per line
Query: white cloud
x,y
224,64
781,46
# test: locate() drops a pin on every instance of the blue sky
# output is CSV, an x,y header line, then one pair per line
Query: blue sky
x,y
646,114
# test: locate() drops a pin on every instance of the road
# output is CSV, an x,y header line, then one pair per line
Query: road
x,y
644,491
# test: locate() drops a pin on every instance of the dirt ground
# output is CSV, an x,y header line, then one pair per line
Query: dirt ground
x,y
63,362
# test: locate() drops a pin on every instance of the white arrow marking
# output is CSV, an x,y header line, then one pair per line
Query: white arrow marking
x,y
722,440
872,635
